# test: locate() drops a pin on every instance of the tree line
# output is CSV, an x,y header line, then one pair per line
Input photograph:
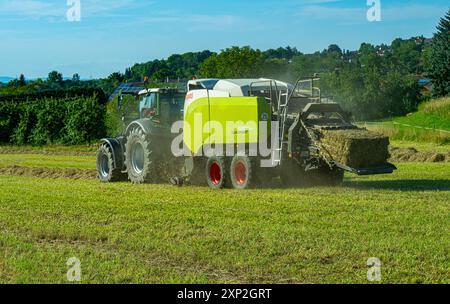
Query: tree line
x,y
373,82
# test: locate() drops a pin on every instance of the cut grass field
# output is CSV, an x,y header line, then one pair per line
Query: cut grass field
x,y
125,233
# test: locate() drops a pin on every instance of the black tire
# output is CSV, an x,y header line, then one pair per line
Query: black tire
x,y
216,172
243,173
106,171
138,157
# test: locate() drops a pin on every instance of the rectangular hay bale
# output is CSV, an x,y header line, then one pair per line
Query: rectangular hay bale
x,y
356,148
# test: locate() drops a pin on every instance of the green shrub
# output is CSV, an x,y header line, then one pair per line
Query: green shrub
x,y
85,121
66,117
118,118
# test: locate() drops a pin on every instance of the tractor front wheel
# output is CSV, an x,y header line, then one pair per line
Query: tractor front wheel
x,y
138,157
106,171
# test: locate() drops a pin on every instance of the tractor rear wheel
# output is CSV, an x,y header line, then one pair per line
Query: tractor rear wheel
x,y
242,172
216,172
106,171
138,157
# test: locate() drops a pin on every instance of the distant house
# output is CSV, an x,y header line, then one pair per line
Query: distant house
x,y
426,85
381,52
423,40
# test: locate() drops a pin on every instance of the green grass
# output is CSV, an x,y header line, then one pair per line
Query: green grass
x,y
430,124
125,233
47,161
433,114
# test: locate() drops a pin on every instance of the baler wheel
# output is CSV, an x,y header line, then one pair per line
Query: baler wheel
x,y
216,172
242,172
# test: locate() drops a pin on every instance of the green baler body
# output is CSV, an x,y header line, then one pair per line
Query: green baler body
x,y
225,121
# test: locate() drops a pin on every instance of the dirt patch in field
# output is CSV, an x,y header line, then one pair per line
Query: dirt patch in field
x,y
412,155
49,172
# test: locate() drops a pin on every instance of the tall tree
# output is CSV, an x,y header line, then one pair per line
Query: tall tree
x,y
334,48
116,78
22,81
234,62
76,77
440,58
54,76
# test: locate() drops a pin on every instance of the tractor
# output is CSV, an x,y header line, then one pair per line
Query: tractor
x,y
143,150
225,126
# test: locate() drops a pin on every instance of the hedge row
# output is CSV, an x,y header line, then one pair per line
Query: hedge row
x,y
72,92
66,117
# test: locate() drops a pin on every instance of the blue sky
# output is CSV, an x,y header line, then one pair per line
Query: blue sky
x,y
114,34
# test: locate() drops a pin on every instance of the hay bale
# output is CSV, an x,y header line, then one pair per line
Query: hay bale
x,y
356,148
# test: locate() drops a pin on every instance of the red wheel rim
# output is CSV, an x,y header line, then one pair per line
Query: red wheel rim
x,y
240,172
215,173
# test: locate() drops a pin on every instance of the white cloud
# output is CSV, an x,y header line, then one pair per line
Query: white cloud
x,y
95,7
52,8
333,13
320,1
192,20
413,12
358,14
31,8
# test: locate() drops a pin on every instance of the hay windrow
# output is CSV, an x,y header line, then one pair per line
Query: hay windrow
x,y
53,173
18,150
356,148
412,155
